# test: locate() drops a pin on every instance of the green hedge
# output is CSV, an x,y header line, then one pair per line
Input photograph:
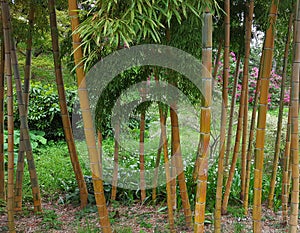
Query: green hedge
x,y
43,111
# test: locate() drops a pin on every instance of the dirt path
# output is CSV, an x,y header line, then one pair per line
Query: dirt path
x,y
135,218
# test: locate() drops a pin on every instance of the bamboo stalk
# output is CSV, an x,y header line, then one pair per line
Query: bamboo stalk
x,y
280,114
157,161
10,119
173,175
64,108
232,106
217,60
177,156
163,119
294,214
24,125
262,113
142,156
218,205
204,122
244,147
241,117
2,169
245,121
250,141
116,162
285,172
95,162
27,74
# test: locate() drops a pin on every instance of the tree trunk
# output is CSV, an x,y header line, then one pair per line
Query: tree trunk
x,y
204,123
21,153
294,214
218,205
24,125
262,114
241,111
280,113
95,162
64,108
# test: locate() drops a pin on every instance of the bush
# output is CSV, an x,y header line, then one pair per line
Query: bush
x,y
44,111
274,88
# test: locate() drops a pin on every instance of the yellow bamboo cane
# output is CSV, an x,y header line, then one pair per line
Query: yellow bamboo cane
x,y
64,108
95,162
2,173
24,124
10,119
250,141
163,119
285,172
218,205
27,74
241,111
294,214
204,122
262,114
280,114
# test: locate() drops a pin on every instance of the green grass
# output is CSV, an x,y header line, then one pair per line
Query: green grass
x,y
55,172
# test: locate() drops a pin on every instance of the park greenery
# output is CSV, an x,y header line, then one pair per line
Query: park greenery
x,y
251,168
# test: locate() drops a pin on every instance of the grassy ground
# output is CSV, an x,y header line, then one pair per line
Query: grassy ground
x,y
61,202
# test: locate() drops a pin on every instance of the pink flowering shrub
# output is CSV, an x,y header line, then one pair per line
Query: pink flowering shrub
x,y
274,88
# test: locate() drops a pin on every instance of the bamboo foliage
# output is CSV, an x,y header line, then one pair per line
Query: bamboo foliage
x,y
262,113
64,108
241,116
2,173
24,125
280,114
218,205
95,162
293,222
27,74
205,117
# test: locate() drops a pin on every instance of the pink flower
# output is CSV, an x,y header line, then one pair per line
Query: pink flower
x,y
239,87
233,56
286,98
250,99
269,98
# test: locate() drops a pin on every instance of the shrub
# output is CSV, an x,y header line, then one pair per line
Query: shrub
x,y
274,89
44,111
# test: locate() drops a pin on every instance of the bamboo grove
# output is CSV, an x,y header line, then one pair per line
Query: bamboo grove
x,y
241,140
